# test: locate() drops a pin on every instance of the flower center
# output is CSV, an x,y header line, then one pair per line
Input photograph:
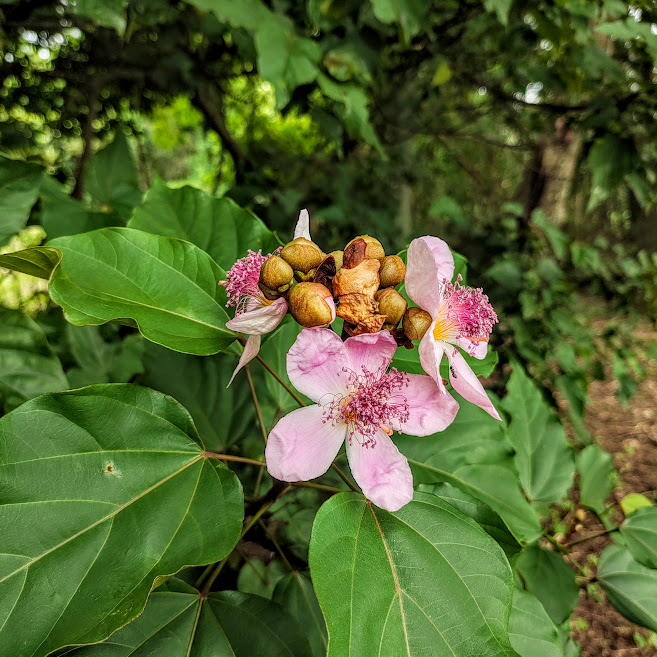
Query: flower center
x,y
373,402
242,284
464,312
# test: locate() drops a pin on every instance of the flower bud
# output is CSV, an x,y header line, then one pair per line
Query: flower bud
x,y
392,271
311,304
392,304
338,258
302,255
374,250
276,273
416,323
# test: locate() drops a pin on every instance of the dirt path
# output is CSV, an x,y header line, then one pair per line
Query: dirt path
x,y
631,435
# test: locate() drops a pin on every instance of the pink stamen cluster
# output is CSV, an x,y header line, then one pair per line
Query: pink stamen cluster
x,y
242,283
372,402
470,309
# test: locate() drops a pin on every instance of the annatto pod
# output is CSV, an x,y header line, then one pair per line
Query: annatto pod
x,y
311,304
416,323
276,274
392,271
373,250
302,255
392,305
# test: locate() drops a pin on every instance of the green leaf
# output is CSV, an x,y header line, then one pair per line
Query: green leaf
x,y
409,14
500,7
109,13
19,189
221,415
295,593
259,579
168,288
531,630
36,261
640,533
481,513
177,622
472,455
103,490
543,456
595,477
630,586
633,502
28,366
216,225
546,575
63,215
408,583
111,177
100,361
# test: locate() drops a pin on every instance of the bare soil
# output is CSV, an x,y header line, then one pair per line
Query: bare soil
x,y
630,434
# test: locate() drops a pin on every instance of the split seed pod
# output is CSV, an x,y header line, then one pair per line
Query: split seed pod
x,y
311,304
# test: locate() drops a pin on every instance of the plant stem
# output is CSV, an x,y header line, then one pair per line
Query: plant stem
x,y
592,536
310,484
272,538
259,513
343,476
256,403
273,372
230,457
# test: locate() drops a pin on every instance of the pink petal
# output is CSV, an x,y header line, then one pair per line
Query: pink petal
x,y
429,263
303,225
302,446
370,350
467,384
331,303
251,349
431,409
382,472
315,364
431,352
476,348
263,319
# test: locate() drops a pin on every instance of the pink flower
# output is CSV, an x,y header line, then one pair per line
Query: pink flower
x,y
254,314
358,400
461,317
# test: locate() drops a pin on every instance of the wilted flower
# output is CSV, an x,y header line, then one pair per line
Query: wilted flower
x,y
360,400
460,317
255,314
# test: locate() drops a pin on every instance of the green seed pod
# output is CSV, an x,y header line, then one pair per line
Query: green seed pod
x,y
392,304
416,323
276,273
392,271
374,250
311,304
302,255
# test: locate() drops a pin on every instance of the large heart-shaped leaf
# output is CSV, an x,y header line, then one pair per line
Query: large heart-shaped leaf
x,y
426,580
28,366
473,455
595,477
531,630
544,458
19,188
216,225
640,532
168,288
178,622
222,415
630,586
102,490
295,593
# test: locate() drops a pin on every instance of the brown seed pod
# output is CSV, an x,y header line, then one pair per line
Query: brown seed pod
x,y
416,322
392,304
371,324
311,304
325,273
373,249
392,271
302,255
338,256
276,273
361,279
